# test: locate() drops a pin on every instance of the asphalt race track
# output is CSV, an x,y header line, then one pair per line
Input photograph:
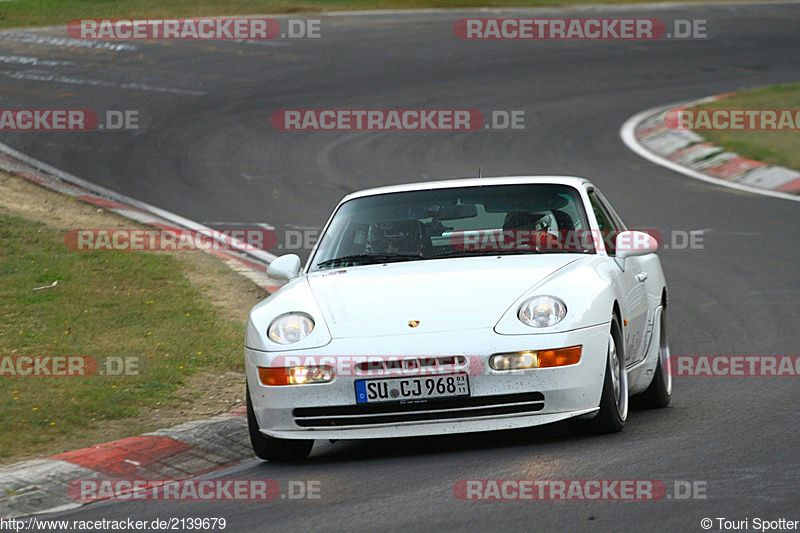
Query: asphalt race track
x,y
211,154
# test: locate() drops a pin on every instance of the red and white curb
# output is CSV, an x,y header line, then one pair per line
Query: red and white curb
x,y
686,152
181,452
249,263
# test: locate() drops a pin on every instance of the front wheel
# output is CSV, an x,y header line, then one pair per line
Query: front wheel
x,y
614,399
271,448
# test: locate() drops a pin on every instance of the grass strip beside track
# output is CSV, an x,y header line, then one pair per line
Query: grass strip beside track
x,y
151,305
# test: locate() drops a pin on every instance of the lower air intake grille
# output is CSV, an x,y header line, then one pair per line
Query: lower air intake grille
x,y
432,410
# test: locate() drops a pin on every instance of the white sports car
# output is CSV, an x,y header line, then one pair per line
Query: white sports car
x,y
459,306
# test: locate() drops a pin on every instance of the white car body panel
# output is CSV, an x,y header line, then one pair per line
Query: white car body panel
x,y
465,306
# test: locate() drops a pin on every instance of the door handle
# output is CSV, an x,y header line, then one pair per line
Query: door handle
x,y
641,276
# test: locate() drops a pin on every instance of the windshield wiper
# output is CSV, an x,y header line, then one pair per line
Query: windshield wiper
x,y
368,259
478,253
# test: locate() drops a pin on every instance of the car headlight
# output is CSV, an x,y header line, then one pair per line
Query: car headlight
x,y
542,311
290,328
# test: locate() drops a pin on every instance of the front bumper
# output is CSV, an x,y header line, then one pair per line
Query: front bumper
x,y
498,400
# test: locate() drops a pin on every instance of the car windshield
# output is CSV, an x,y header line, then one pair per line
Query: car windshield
x,y
454,222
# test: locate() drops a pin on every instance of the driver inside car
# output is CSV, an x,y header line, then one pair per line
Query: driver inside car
x,y
529,230
397,237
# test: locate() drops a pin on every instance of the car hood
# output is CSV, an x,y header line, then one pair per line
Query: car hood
x,y
442,295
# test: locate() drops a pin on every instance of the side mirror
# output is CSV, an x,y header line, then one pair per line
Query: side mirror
x,y
285,267
634,243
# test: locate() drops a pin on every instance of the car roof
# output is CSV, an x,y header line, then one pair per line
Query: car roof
x,y
471,182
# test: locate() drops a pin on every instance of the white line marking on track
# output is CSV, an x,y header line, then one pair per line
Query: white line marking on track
x,y
32,75
263,225
48,40
35,61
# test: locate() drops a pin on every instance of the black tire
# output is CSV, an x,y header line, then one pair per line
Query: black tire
x,y
611,417
270,448
659,393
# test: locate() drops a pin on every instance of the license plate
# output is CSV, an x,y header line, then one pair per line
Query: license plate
x,y
411,389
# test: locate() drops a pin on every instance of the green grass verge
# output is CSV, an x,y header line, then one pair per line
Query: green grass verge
x,y
105,304
22,13
775,147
